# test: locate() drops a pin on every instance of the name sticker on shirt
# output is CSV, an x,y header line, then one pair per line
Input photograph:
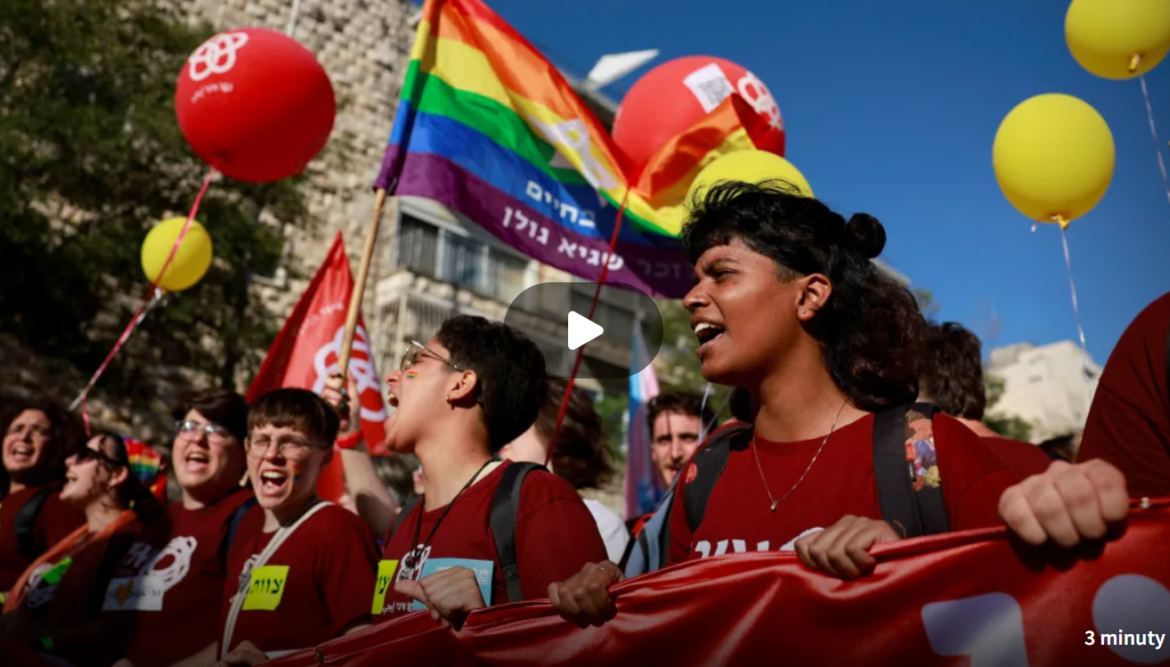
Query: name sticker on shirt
x,y
266,587
135,594
385,580
483,575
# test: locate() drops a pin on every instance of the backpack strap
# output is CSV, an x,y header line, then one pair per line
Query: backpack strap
x,y
505,506
918,512
709,461
25,522
405,512
233,526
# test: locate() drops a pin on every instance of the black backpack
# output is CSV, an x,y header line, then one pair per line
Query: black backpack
x,y
505,505
921,512
25,522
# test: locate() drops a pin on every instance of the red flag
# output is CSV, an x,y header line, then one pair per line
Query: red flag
x,y
972,598
305,355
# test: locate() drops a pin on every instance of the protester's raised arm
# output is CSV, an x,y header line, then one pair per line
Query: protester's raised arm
x,y
374,504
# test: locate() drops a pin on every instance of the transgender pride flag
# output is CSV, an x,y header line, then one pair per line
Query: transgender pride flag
x,y
643,487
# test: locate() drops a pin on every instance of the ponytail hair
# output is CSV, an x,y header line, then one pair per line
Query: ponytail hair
x,y
134,493
869,328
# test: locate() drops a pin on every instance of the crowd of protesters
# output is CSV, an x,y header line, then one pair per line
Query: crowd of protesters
x,y
830,360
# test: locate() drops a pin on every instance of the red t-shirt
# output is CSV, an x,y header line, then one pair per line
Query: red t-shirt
x,y
55,520
67,593
331,559
1024,457
1129,421
555,536
841,482
177,570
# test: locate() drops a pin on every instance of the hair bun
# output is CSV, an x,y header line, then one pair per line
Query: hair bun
x,y
866,235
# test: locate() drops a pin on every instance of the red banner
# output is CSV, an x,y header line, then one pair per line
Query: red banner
x,y
974,598
305,354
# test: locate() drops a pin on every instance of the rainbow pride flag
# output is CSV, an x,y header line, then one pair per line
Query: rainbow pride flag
x,y
489,128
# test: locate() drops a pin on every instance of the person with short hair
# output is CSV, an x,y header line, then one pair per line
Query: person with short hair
x,y
38,436
55,609
459,398
950,375
177,569
676,420
581,456
303,574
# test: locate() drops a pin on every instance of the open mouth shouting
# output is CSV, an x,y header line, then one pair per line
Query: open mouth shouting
x,y
196,461
22,453
707,332
274,482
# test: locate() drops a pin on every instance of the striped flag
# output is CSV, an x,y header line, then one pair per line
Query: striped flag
x,y
643,487
488,127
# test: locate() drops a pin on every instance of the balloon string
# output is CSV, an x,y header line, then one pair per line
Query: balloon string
x,y
617,226
1076,307
153,297
1154,131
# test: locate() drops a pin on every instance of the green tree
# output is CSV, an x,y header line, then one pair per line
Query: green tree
x,y
90,157
1009,426
926,304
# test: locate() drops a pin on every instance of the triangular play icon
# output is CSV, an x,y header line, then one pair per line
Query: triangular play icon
x,y
582,330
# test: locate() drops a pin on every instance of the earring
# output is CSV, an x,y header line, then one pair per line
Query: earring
x,y
803,311
244,479
448,398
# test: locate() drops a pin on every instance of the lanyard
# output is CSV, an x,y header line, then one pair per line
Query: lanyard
x,y
418,548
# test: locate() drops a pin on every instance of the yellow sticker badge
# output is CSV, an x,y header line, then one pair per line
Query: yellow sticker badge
x,y
266,588
386,570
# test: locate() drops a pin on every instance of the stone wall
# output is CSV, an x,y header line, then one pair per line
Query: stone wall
x,y
364,46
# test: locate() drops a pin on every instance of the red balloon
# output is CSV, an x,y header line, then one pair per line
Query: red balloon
x,y
255,104
674,96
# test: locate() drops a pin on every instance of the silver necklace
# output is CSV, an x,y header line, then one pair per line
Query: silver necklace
x,y
803,474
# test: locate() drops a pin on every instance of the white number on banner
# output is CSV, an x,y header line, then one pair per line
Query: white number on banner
x,y
988,628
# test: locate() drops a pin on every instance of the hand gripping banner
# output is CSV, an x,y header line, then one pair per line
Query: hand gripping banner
x,y
974,598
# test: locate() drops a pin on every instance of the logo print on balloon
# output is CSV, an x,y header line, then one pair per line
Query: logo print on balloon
x,y
216,56
757,94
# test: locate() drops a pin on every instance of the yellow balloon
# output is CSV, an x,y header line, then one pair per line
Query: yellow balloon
x,y
191,261
751,166
1053,158
1118,39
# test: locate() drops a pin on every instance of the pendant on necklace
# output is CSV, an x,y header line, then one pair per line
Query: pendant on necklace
x,y
774,506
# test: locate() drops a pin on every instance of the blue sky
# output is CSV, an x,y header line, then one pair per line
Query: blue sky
x,y
891,109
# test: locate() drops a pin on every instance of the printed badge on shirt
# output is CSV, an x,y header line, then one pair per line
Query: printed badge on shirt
x,y
483,575
155,573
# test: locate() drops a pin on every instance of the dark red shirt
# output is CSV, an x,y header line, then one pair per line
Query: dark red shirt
x,y
1023,457
65,595
331,559
555,536
55,520
181,559
1129,421
840,483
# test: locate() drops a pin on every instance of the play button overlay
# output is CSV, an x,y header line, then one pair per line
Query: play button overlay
x,y
582,330
620,339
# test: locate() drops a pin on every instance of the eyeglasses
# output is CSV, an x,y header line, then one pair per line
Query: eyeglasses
x,y
289,447
416,349
31,429
86,454
191,429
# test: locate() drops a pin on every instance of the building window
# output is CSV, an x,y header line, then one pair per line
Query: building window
x,y
428,250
